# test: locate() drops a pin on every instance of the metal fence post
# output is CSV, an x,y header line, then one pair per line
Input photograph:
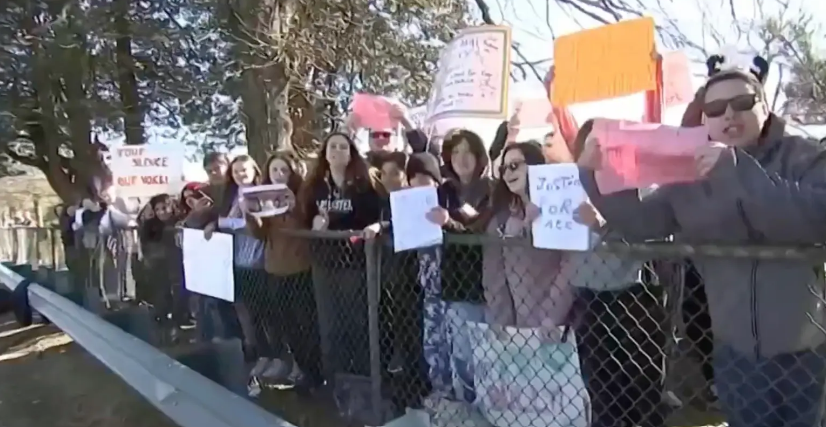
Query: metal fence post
x,y
372,265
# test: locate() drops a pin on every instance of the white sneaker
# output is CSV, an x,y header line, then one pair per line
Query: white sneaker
x,y
276,369
260,366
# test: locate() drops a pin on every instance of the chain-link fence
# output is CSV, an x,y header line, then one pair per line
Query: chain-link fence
x,y
486,331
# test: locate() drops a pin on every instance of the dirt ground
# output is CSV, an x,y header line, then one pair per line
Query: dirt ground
x,y
47,380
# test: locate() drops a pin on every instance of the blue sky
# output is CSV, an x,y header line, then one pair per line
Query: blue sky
x,y
708,24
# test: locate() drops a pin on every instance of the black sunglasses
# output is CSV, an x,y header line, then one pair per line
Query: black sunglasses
x,y
380,135
738,103
513,166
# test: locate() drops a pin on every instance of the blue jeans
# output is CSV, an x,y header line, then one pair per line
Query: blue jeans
x,y
216,318
786,390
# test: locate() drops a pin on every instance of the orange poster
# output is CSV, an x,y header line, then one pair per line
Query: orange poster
x,y
677,87
606,62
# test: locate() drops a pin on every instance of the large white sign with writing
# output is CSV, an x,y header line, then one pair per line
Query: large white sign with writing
x,y
556,190
472,79
147,170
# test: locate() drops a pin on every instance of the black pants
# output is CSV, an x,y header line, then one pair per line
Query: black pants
x,y
402,305
159,282
253,303
697,320
620,337
293,319
341,295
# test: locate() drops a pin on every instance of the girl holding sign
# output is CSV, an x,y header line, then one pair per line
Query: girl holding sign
x,y
288,302
515,278
250,278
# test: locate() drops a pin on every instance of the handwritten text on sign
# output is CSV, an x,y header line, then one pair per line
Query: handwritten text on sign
x,y
473,73
556,190
147,171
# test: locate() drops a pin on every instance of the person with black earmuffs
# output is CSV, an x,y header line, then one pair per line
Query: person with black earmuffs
x,y
758,186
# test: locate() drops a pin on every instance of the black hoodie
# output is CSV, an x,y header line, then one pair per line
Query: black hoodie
x,y
351,208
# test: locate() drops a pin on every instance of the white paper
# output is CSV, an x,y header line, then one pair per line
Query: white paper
x,y
411,229
208,264
556,190
231,223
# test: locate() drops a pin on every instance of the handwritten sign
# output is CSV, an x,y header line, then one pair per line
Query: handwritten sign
x,y
147,170
408,210
473,74
677,88
640,155
556,190
606,62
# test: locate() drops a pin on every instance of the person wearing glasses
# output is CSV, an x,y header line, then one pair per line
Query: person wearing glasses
x,y
758,186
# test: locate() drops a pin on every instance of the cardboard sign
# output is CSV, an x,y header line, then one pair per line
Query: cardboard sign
x,y
605,62
147,170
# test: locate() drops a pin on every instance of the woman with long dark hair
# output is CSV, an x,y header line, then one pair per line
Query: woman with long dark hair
x,y
286,306
516,279
340,194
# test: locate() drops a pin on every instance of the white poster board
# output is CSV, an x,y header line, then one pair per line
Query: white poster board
x,y
408,210
556,190
208,264
147,170
472,80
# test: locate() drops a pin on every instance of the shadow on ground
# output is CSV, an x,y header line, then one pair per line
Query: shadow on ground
x,y
50,381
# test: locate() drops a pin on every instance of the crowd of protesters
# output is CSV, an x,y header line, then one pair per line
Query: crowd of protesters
x,y
301,304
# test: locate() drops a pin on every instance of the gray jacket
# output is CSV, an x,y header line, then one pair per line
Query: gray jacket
x,y
773,193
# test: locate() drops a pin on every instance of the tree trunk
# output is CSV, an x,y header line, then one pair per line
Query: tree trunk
x,y
127,82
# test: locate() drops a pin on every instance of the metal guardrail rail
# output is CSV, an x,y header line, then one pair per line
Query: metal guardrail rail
x,y
185,396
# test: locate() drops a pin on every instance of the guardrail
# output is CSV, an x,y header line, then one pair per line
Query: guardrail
x,y
185,396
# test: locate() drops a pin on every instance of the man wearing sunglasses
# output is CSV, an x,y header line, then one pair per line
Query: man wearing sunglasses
x,y
757,186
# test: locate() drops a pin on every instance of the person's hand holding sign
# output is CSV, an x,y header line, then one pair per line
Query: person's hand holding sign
x,y
438,216
707,156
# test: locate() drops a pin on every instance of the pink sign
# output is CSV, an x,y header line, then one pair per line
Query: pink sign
x,y
373,112
677,87
639,155
534,113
